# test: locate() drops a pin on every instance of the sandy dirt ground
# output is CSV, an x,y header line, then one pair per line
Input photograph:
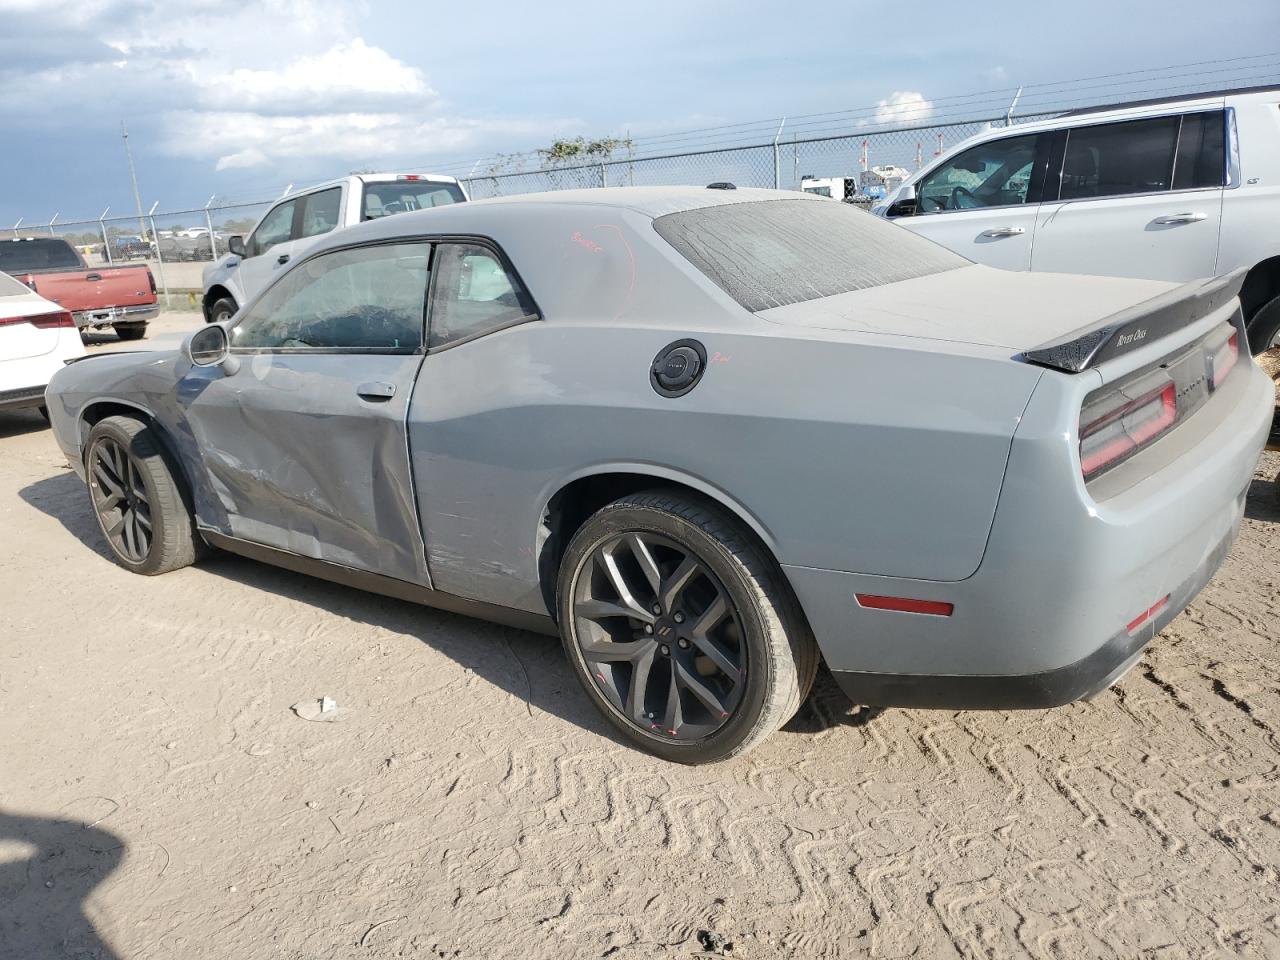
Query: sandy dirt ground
x,y
160,799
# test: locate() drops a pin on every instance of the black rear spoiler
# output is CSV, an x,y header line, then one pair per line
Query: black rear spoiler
x,y
1137,325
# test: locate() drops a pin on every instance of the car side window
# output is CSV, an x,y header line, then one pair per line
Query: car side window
x,y
367,299
276,227
320,212
1201,160
1115,159
992,174
474,294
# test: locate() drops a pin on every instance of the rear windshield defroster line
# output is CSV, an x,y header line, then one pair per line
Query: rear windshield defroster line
x,y
770,253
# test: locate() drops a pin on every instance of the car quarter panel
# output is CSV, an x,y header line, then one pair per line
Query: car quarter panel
x,y
844,456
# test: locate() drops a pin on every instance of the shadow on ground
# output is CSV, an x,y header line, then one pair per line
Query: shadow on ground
x,y
16,423
528,666
44,889
1263,501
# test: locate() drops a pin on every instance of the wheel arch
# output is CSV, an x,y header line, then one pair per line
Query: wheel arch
x,y
1261,286
578,496
215,293
95,411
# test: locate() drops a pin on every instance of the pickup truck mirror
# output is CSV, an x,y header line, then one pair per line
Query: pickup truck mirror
x,y
236,246
208,346
905,203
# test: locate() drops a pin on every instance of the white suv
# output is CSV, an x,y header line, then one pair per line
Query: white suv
x,y
299,219
1173,189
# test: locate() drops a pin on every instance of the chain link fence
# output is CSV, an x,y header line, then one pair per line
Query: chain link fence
x,y
178,244
782,164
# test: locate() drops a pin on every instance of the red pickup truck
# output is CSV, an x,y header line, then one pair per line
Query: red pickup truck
x,y
120,297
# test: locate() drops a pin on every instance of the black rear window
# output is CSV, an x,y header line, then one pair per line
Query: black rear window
x,y
18,256
769,253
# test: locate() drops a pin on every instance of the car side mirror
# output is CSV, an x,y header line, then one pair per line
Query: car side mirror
x,y
236,246
905,203
208,346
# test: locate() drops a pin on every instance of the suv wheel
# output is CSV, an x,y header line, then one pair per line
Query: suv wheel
x,y
222,310
681,629
1264,327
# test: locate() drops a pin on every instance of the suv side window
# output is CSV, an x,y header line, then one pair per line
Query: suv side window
x,y
361,299
276,227
993,174
1114,159
474,294
320,212
1201,160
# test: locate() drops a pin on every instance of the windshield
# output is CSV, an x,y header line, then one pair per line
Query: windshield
x,y
37,253
769,253
401,196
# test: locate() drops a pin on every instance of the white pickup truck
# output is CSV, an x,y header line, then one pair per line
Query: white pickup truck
x,y
1170,189
298,219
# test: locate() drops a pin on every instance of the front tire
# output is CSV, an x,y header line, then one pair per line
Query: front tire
x,y
1264,327
222,310
681,629
130,331
137,500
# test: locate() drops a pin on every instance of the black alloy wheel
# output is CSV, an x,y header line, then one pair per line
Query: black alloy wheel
x,y
140,506
121,500
681,627
661,635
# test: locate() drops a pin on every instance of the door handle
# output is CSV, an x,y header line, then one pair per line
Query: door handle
x,y
93,276
376,390
283,258
1183,218
1003,232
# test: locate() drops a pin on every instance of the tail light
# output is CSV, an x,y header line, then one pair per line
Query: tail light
x,y
1223,360
45,321
1114,435
151,280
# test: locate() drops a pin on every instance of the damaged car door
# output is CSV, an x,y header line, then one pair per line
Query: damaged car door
x,y
302,433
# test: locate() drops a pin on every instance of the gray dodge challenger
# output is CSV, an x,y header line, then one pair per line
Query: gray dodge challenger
x,y
709,437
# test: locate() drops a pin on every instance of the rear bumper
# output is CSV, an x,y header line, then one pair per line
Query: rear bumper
x,y
22,399
1048,688
109,315
1043,619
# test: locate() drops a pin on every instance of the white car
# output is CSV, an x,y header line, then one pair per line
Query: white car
x,y
37,337
299,219
1171,189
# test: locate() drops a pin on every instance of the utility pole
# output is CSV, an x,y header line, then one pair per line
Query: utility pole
x,y
137,197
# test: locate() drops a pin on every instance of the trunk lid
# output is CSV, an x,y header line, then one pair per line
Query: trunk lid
x,y
983,306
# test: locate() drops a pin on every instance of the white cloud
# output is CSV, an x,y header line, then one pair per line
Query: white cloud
x,y
289,84
903,107
344,72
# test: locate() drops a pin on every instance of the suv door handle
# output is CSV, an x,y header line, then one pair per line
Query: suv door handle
x,y
1183,218
1003,232
283,258
376,390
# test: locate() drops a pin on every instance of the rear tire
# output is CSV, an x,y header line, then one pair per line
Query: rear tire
x,y
1264,327
130,331
770,654
137,499
222,310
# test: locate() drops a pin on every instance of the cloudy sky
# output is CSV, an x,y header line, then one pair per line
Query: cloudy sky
x,y
238,99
